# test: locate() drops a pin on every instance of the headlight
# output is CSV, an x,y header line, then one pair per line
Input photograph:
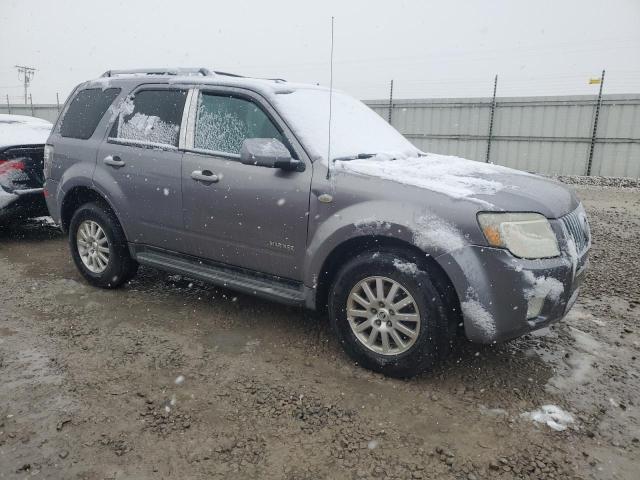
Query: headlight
x,y
526,235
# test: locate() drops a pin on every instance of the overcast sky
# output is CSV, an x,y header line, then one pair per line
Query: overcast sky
x,y
430,48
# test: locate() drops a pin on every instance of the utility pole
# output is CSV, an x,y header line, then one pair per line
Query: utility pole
x,y
27,74
594,134
493,111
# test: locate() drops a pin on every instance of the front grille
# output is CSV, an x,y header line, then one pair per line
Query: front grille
x,y
577,228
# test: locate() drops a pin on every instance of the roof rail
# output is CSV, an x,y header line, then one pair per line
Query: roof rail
x,y
180,71
159,71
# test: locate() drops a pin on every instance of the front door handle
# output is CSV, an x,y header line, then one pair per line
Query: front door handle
x,y
206,176
113,161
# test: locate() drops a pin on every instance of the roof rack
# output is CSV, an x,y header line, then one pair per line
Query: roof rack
x,y
205,72
159,71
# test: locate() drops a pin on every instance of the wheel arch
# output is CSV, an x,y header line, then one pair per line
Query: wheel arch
x,y
360,244
75,198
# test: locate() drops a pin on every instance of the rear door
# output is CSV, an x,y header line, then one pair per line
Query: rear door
x,y
139,165
247,216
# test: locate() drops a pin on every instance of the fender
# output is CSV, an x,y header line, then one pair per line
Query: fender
x,y
413,225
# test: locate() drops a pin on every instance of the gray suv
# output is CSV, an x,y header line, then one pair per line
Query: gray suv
x,y
307,197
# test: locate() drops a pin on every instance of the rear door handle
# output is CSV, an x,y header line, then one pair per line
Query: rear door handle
x,y
205,176
113,161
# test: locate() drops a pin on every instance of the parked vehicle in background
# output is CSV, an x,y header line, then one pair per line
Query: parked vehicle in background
x,y
22,140
232,180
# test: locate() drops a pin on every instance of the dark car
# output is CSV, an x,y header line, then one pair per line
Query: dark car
x,y
22,142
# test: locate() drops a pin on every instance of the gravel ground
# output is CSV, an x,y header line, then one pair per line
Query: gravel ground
x,y
171,378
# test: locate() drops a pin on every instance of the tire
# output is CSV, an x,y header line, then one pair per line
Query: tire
x,y
421,351
119,267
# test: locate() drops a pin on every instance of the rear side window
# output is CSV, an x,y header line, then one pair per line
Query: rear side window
x,y
224,122
85,112
150,117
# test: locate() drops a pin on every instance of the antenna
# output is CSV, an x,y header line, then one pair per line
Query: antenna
x,y
330,101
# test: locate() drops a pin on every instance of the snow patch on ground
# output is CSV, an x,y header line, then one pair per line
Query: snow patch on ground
x,y
432,231
475,312
579,367
405,267
552,415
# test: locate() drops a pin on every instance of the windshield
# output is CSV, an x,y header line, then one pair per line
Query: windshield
x,y
355,128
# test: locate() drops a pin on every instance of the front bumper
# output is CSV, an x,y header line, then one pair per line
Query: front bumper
x,y
495,290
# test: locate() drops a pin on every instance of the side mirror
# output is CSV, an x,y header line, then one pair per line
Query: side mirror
x,y
267,152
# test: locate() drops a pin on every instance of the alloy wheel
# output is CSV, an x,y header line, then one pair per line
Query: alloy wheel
x,y
383,315
93,246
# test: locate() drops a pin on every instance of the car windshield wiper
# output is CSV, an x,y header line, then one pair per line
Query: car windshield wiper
x,y
359,156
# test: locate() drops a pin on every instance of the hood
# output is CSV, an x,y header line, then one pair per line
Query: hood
x,y
487,186
23,130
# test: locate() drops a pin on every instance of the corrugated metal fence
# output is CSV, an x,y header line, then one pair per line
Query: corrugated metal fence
x,y
549,135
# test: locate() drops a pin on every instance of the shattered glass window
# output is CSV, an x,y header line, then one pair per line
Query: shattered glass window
x,y
151,116
224,122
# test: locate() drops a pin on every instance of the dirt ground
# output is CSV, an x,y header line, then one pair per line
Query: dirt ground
x,y
171,378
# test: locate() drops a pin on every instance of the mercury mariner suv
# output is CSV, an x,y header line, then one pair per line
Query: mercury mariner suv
x,y
246,183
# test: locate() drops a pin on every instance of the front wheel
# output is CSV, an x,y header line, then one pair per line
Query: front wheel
x,y
99,247
388,314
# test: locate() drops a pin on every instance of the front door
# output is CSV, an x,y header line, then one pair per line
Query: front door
x,y
243,215
140,165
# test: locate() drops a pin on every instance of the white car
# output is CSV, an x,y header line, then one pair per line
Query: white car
x,y
22,140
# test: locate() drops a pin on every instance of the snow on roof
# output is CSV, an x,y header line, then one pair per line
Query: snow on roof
x,y
23,130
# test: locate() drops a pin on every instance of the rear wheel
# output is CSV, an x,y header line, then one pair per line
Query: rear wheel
x,y
99,247
388,314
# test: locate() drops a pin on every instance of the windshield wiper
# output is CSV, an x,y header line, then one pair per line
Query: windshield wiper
x,y
359,156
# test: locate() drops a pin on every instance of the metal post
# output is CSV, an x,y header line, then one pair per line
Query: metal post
x,y
390,102
493,111
33,114
8,105
595,126
58,101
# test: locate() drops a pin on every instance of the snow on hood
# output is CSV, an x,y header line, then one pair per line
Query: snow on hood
x,y
356,130
23,130
453,176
